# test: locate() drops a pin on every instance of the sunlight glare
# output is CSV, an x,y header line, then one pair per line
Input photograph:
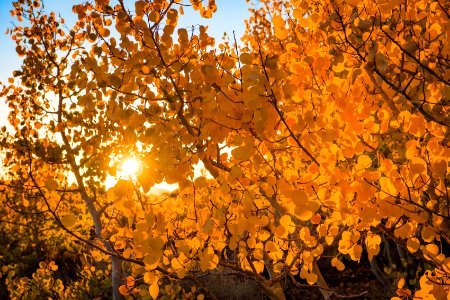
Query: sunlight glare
x,y
130,168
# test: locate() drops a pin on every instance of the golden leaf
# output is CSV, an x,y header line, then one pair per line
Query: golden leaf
x,y
123,290
246,58
242,152
337,264
68,220
373,242
278,21
428,234
365,161
154,290
130,281
355,252
123,189
53,266
51,185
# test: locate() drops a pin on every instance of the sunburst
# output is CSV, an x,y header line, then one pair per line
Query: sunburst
x,y
130,168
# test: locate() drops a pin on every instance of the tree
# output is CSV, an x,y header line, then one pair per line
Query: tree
x,y
326,132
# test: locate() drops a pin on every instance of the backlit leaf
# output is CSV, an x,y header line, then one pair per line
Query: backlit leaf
x,y
154,290
51,185
68,220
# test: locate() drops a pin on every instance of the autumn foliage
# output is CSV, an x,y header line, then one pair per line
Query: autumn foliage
x,y
323,136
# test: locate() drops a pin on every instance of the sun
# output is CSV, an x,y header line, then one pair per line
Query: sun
x,y
130,168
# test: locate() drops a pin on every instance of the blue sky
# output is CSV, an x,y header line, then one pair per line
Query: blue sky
x,y
229,17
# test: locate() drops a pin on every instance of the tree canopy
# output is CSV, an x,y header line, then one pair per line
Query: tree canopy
x,y
323,135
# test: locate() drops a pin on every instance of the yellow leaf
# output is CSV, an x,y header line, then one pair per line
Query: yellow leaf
x,y
263,235
51,184
145,179
373,245
430,288
411,146
339,67
298,14
123,189
271,62
130,281
53,266
337,264
431,251
242,152
149,277
439,168
176,264
305,234
270,247
428,234
201,182
154,290
259,266
355,252
68,220
305,209
208,260
236,172
181,273
110,195
286,221
355,237
417,166
154,16
298,197
123,290
404,292
172,15
388,189
303,214
289,90
311,278
246,58
278,21
280,231
401,283
127,253
140,6
151,260
365,161
281,33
